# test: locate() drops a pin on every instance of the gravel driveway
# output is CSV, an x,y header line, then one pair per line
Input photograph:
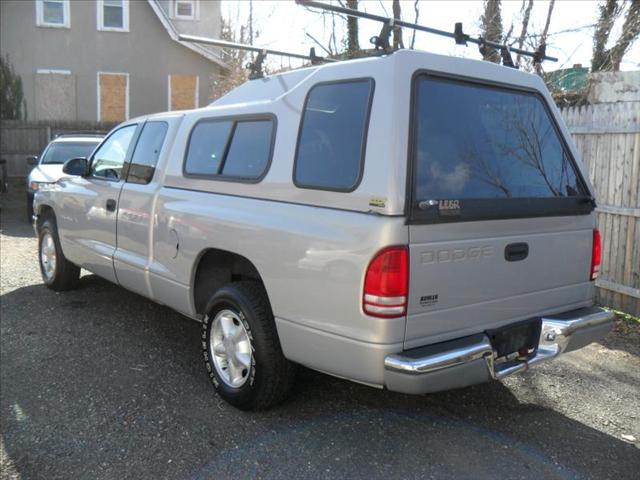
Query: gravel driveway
x,y
102,383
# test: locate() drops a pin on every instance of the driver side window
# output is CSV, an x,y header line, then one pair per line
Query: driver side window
x,y
108,160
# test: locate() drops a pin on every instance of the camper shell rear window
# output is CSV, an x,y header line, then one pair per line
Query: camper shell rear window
x,y
482,151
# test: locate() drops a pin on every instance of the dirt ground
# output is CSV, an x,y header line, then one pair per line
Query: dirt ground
x,y
100,383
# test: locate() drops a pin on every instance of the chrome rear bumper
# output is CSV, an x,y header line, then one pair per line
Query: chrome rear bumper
x,y
470,360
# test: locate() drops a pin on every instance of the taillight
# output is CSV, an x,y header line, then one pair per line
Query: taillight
x,y
386,283
596,254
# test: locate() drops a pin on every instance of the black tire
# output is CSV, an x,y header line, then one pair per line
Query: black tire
x,y
65,275
271,375
29,207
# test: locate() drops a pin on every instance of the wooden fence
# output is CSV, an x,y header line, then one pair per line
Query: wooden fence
x,y
608,137
19,139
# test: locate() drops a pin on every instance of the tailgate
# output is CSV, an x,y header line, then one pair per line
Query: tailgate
x,y
471,276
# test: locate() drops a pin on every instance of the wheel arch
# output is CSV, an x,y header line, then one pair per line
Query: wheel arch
x,y
215,268
45,211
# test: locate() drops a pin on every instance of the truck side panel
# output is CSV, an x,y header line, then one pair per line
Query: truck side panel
x,y
311,260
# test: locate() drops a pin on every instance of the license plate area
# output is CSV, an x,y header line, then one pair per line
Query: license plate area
x,y
515,337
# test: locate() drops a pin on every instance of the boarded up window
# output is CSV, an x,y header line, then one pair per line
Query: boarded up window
x,y
55,96
113,101
183,92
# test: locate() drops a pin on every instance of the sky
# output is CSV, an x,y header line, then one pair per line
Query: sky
x,y
283,26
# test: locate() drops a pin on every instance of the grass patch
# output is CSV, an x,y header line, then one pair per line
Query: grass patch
x,y
627,317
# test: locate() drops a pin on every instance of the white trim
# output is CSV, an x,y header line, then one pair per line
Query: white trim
x,y
55,71
126,93
66,14
173,33
174,9
100,17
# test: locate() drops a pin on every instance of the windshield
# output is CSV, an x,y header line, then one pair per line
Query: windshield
x,y
60,152
481,142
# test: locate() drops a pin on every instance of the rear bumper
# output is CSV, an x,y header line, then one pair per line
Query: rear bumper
x,y
470,360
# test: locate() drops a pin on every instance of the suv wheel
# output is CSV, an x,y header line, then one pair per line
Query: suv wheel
x,y
241,348
58,273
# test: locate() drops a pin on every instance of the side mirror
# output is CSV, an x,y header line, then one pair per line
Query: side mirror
x,y
76,166
32,160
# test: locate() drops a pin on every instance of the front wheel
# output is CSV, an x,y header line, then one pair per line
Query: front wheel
x,y
58,273
241,348
29,207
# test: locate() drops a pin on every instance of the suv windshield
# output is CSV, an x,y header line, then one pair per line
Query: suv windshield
x,y
60,152
480,144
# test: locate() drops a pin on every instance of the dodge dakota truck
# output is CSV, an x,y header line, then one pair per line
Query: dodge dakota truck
x,y
410,221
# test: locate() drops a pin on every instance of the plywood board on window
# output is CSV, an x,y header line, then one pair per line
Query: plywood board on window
x,y
55,96
183,92
113,97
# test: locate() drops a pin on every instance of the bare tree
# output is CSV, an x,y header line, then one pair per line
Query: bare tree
x,y
526,15
353,46
397,31
610,59
491,26
545,32
236,60
415,9
609,12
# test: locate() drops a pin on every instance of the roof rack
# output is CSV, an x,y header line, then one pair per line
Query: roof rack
x,y
381,42
256,67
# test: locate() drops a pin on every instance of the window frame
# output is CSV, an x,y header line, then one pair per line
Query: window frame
x,y
234,119
500,208
174,10
66,13
100,18
363,140
127,158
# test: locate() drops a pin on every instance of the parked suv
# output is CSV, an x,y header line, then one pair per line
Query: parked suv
x,y
48,168
412,221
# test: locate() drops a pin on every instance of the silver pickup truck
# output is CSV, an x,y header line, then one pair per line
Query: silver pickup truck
x,y
411,221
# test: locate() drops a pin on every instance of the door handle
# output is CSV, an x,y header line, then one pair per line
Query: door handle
x,y
516,251
111,205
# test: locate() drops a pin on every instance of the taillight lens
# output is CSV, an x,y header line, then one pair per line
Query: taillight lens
x,y
386,283
596,254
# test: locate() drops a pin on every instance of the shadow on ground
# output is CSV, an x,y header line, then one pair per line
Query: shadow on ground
x,y
102,383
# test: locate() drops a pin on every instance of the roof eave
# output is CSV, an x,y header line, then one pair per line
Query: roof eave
x,y
171,30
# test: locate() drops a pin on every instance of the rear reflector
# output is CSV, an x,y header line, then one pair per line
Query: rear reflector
x,y
596,254
386,283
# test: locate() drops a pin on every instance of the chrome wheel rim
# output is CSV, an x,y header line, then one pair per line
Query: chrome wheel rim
x,y
48,256
230,349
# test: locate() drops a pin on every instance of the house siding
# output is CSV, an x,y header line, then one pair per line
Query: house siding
x,y
147,53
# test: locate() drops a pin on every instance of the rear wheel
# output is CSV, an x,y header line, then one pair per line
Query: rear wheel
x,y
58,273
241,348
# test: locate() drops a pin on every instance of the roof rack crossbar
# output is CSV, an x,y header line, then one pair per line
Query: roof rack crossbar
x,y
255,67
457,35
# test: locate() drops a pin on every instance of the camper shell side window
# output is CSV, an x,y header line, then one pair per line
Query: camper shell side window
x,y
332,137
238,148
